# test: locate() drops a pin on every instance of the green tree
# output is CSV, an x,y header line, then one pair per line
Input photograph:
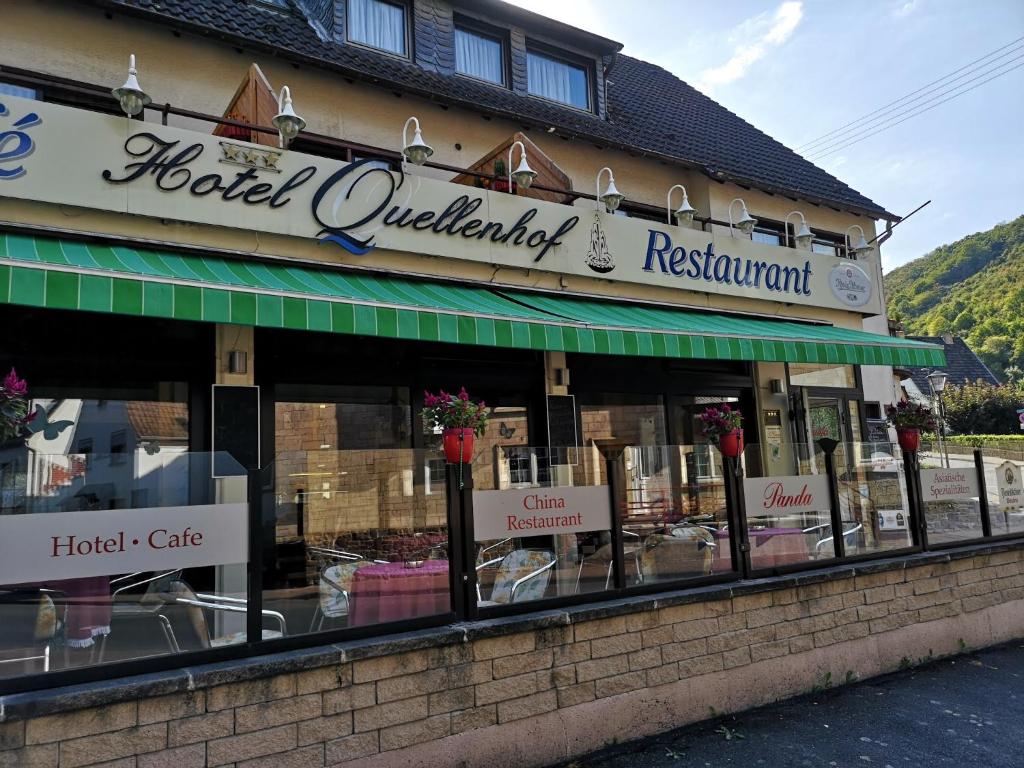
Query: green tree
x,y
983,409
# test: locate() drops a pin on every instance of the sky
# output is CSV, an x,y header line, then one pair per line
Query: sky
x,y
800,69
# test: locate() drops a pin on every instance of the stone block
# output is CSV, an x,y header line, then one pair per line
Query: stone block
x,y
111,746
924,586
769,650
12,735
323,679
822,605
732,622
250,692
690,630
478,717
874,611
571,654
190,730
82,722
590,630
351,748
614,645
500,647
784,596
801,644
879,594
272,713
736,657
637,622
448,701
191,756
347,699
522,663
554,636
38,756
322,729
598,668
393,713
173,707
666,673
527,706
408,686
751,602
853,599
576,694
398,736
311,756
471,673
371,670
687,650
234,749
645,659
506,688
658,636
613,686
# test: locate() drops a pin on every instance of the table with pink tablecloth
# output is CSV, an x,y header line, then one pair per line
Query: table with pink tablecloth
x,y
395,591
769,547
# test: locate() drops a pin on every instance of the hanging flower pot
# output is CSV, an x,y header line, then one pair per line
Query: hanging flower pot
x,y
731,443
14,406
460,421
909,439
458,445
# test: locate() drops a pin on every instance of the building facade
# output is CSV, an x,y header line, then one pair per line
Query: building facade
x,y
228,335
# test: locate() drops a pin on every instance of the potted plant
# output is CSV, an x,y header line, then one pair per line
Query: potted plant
x,y
910,419
500,183
14,411
723,426
460,419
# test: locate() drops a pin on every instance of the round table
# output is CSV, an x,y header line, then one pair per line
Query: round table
x,y
394,591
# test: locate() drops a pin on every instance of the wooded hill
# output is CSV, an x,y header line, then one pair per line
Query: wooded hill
x,y
972,288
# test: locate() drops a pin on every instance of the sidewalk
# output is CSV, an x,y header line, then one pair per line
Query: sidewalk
x,y
966,711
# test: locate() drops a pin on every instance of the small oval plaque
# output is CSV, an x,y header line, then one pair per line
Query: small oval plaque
x,y
850,284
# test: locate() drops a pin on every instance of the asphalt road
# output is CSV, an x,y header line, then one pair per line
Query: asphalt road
x,y
967,711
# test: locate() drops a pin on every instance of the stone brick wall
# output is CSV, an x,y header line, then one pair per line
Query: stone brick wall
x,y
534,690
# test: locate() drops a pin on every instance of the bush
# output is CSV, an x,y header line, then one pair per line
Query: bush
x,y
983,409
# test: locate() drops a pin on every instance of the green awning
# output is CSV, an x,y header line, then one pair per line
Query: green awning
x,y
68,274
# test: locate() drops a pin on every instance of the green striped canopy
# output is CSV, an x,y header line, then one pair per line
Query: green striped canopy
x,y
68,274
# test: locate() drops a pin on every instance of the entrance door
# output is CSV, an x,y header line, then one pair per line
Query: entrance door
x,y
826,416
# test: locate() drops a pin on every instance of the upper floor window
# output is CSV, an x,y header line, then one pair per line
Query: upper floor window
x,y
557,80
377,23
479,55
769,233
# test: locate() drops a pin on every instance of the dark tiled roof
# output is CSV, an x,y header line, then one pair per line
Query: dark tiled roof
x,y
962,365
649,109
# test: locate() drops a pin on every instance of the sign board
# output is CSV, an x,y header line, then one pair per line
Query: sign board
x,y
77,545
236,429
357,209
878,431
949,484
785,495
1010,484
892,519
540,511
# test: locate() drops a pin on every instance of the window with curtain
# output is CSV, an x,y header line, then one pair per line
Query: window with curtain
x,y
556,80
479,55
378,24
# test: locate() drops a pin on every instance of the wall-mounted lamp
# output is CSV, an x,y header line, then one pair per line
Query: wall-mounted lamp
x,y
803,235
746,222
777,387
288,123
861,247
416,151
133,99
237,361
684,213
524,174
611,197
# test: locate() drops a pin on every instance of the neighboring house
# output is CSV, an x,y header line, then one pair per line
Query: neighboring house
x,y
962,367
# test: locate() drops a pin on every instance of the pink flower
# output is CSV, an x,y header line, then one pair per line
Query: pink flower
x,y
14,385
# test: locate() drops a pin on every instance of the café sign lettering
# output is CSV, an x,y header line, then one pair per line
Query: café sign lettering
x,y
75,545
168,173
786,495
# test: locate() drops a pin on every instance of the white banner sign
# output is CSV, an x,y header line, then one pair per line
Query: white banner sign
x,y
74,545
520,512
68,156
949,484
792,494
1010,485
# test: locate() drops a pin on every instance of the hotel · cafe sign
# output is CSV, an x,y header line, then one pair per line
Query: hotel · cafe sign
x,y
66,156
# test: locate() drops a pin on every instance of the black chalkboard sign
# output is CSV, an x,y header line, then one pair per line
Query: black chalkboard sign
x,y
878,431
236,429
563,432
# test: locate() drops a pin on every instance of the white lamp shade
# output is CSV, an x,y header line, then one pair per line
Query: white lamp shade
x,y
684,213
861,246
131,96
804,236
612,197
747,222
417,151
288,124
524,174
938,381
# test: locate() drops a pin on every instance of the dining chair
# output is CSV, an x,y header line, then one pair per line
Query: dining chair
x,y
686,550
523,575
30,623
186,611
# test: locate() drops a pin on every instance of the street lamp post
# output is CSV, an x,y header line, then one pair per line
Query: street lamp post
x,y
937,381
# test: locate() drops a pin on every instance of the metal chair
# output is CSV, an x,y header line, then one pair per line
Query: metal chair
x,y
523,575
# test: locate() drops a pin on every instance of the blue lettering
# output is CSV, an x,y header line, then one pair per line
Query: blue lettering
x,y
652,249
709,254
693,271
677,261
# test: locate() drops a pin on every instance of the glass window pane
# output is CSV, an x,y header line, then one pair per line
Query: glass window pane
x,y
479,56
949,494
377,23
873,498
556,80
768,238
829,249
17,90
1004,470
813,375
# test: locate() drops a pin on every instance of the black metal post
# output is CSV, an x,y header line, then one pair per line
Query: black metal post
x,y
462,546
618,546
254,598
828,447
918,522
739,541
986,518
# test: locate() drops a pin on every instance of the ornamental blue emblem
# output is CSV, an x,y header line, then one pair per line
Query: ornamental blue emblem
x,y
15,144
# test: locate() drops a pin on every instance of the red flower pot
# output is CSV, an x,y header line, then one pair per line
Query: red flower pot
x,y
909,439
731,443
458,445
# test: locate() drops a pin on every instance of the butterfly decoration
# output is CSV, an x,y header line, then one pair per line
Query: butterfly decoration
x,y
41,424
152,447
506,431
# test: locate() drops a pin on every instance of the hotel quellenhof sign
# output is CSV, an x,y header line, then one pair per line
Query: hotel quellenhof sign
x,y
55,154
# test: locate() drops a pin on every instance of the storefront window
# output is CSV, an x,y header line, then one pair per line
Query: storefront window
x,y
812,375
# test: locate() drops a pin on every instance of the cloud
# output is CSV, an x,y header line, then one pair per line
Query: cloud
x,y
753,39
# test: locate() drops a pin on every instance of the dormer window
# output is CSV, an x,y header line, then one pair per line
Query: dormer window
x,y
557,79
378,24
478,53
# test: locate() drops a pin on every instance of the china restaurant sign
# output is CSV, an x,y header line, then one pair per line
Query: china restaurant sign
x,y
540,511
62,155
